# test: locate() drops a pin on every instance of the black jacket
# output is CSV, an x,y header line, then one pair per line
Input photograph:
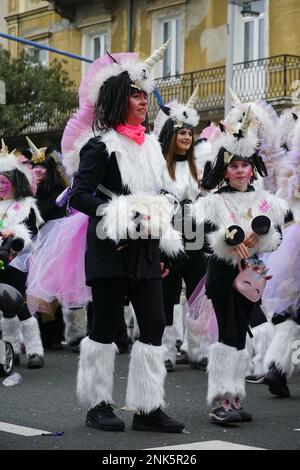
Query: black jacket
x,y
103,260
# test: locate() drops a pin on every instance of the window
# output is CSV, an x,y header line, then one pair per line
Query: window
x,y
254,32
40,56
94,45
172,59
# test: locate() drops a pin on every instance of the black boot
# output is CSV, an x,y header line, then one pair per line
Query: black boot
x,y
156,421
102,417
224,413
276,381
236,405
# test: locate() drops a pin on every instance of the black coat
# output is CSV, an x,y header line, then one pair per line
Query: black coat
x,y
103,260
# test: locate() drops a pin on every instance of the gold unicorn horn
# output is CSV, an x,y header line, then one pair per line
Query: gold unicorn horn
x,y
193,99
246,121
234,96
37,155
156,56
4,148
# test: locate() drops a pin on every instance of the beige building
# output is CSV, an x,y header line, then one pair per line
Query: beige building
x,y
266,48
3,24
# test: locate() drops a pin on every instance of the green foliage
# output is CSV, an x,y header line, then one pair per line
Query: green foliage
x,y
35,95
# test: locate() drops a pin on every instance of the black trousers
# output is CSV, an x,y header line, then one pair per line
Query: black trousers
x,y
233,312
108,306
191,272
16,279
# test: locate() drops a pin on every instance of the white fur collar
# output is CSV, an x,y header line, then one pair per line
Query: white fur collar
x,y
244,207
184,186
141,166
15,212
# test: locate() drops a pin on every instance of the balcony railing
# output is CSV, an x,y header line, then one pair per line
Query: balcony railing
x,y
271,79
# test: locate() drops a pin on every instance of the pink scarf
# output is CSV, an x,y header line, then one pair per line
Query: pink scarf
x,y
136,133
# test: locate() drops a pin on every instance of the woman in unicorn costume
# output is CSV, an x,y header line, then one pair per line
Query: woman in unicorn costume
x,y
120,169
282,294
174,126
241,222
19,221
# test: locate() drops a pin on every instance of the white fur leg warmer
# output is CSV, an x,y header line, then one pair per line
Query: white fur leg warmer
x,y
11,332
240,373
262,337
32,337
95,372
198,346
73,329
146,377
222,371
281,348
178,321
169,342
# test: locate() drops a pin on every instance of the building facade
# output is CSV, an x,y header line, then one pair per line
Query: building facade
x,y
266,47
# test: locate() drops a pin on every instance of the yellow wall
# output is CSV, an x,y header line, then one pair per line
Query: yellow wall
x,y
284,17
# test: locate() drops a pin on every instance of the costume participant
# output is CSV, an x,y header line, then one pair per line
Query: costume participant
x,y
56,267
180,179
19,221
243,222
119,172
282,294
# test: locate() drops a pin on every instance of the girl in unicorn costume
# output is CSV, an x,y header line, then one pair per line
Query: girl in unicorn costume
x,y
241,222
55,265
119,170
19,221
282,294
269,148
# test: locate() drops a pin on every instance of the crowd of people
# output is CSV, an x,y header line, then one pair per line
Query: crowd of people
x,y
127,217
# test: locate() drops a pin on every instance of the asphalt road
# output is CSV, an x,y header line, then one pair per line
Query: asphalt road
x,y
46,400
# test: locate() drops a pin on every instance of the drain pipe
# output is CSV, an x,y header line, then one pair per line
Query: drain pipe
x,y
129,25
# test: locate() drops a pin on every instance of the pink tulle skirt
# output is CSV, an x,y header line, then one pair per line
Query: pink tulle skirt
x,y
56,265
282,292
201,318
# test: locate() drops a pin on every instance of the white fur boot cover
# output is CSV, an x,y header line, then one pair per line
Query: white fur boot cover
x,y
169,342
73,330
178,321
32,337
280,350
11,332
222,371
262,337
95,372
198,346
146,377
240,373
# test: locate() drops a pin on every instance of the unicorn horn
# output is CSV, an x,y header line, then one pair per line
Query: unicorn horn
x,y
234,96
246,121
4,148
193,99
156,56
34,149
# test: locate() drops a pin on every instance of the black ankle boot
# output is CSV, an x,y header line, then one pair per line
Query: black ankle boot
x,y
156,421
276,381
102,417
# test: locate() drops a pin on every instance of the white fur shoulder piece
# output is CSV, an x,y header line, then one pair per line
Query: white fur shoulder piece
x,y
141,166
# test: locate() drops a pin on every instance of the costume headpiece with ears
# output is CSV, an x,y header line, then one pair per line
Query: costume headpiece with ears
x,y
241,144
127,65
175,116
